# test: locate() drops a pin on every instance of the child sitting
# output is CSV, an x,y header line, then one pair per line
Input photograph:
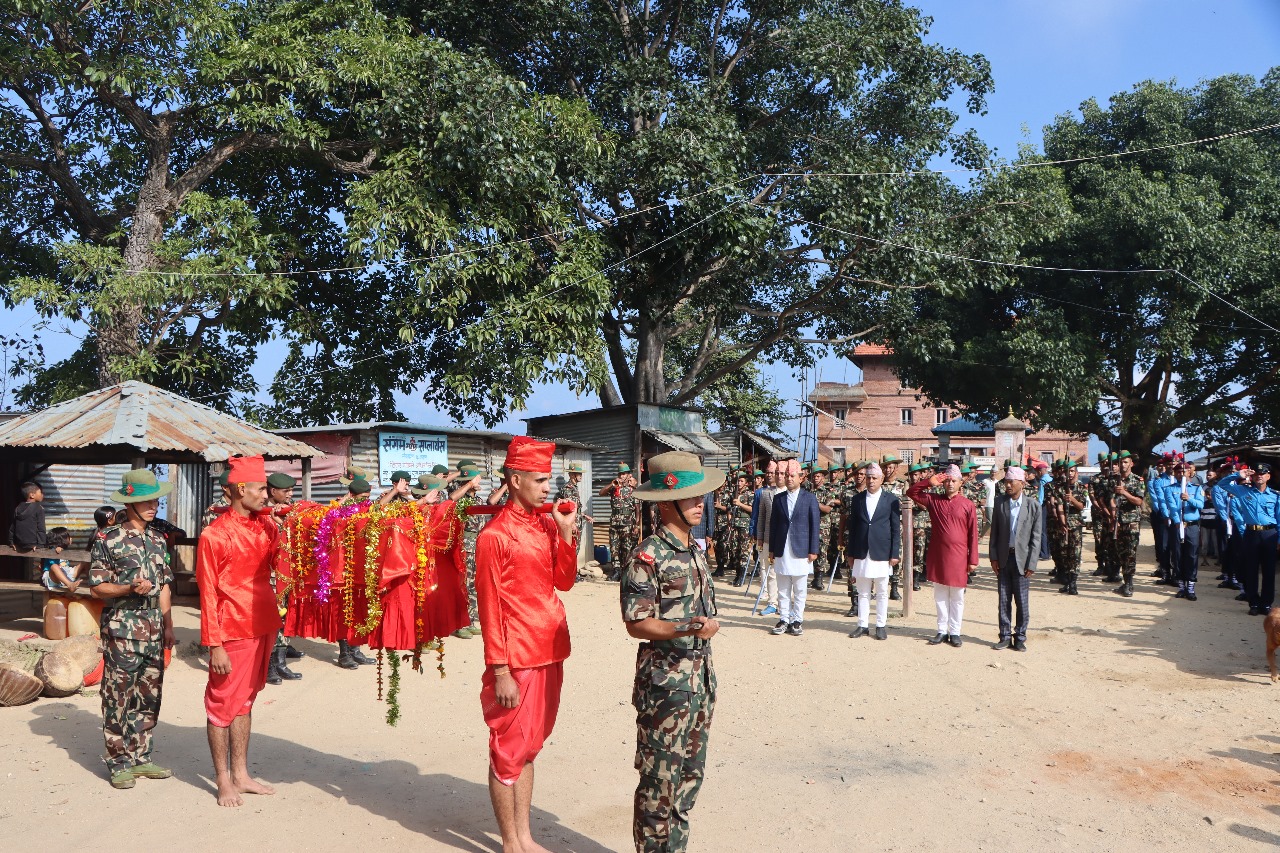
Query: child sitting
x,y
60,575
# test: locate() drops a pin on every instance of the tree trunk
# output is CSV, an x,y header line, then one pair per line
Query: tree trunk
x,y
650,386
118,331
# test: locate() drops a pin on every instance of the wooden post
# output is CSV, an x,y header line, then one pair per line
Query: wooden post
x,y
138,462
908,554
306,478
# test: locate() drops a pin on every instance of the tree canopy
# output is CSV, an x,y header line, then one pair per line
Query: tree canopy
x,y
1131,356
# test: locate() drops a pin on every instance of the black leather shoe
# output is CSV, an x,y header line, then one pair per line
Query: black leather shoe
x,y
1191,596
1003,644
344,656
293,654
1225,585
1254,611
1019,646
1242,597
882,633
853,612
939,639
273,675
955,640
894,595
857,632
282,666
1182,593
361,658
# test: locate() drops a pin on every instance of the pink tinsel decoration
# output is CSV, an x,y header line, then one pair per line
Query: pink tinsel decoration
x,y
324,538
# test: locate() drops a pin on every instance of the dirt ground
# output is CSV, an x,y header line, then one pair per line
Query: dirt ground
x,y
1129,724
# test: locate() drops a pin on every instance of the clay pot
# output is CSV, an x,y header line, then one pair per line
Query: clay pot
x,y
17,687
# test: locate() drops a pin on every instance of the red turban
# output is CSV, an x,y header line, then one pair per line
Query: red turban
x,y
246,469
529,454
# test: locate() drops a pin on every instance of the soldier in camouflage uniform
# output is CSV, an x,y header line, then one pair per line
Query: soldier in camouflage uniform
x,y
1098,517
921,528
470,473
669,602
828,502
1107,505
624,518
971,489
1066,498
739,540
889,463
129,570
279,499
570,492
219,505
1129,491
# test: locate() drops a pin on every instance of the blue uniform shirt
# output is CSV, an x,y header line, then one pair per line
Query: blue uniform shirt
x,y
1178,510
1159,500
1256,507
1228,507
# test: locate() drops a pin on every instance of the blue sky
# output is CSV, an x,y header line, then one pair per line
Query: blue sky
x,y
1047,57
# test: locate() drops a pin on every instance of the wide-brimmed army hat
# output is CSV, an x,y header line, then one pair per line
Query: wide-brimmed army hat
x,y
426,483
353,473
675,476
624,468
140,485
574,468
890,459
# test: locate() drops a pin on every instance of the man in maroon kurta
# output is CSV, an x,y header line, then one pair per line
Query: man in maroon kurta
x,y
953,549
238,622
522,558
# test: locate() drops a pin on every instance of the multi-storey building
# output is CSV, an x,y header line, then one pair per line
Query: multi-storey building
x,y
881,415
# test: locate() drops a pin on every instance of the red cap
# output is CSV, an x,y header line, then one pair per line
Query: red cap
x,y
529,454
246,469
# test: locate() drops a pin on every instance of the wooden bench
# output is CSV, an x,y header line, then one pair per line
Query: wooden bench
x,y
72,554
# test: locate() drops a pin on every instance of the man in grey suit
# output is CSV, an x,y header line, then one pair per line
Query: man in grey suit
x,y
1014,547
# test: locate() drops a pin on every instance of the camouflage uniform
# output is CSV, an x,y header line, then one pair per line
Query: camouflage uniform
x,y
622,527
132,641
827,530
977,496
674,693
739,541
211,512
1098,496
471,528
1065,542
569,492
1128,518
921,528
721,496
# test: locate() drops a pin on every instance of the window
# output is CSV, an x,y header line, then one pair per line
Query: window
x,y
908,457
838,454
840,413
1046,456
942,416
908,416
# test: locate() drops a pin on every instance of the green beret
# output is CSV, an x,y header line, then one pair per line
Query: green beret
x,y
397,476
359,486
222,478
279,480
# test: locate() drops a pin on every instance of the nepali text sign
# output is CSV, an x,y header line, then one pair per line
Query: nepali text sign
x,y
412,452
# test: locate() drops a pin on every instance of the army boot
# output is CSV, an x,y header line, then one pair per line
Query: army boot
x,y
344,656
894,594
282,666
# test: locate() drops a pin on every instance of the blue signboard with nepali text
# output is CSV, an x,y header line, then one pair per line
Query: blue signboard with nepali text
x,y
416,453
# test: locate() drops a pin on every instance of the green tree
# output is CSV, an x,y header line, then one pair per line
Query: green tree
x,y
711,259
1130,356
176,171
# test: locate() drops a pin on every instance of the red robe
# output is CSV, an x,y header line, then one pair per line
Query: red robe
x,y
233,570
953,539
521,561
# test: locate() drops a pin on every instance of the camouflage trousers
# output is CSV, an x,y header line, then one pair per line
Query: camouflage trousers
x,y
737,546
822,565
1125,549
622,546
1101,550
473,608
1065,547
672,729
132,679
919,550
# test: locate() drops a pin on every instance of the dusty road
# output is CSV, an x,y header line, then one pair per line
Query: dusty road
x,y
1129,724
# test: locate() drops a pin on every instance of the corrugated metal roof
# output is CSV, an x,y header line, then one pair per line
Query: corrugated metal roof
x,y
149,420
770,446
690,442
452,430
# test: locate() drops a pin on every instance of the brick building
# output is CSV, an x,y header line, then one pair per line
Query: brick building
x,y
880,415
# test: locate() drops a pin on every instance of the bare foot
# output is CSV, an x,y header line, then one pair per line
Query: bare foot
x,y
249,785
228,796
528,845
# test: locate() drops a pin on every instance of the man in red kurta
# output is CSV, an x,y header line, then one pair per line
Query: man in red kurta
x,y
238,622
953,549
522,558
